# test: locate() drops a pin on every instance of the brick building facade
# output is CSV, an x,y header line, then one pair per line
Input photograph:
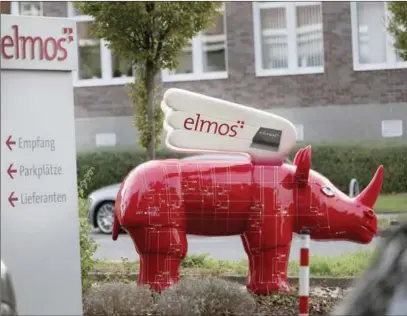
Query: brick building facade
x,y
352,68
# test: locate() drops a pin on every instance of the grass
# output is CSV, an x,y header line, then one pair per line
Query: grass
x,y
348,265
392,203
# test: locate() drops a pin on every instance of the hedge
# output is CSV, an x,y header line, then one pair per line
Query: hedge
x,y
339,162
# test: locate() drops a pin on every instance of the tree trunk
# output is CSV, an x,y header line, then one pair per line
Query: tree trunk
x,y
150,84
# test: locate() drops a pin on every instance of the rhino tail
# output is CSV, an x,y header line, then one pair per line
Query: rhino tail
x,y
116,227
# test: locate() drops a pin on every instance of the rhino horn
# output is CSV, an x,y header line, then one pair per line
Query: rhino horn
x,y
370,194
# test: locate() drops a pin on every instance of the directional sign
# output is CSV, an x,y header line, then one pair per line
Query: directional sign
x,y
39,217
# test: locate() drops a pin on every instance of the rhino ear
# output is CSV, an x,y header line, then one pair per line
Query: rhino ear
x,y
297,156
303,162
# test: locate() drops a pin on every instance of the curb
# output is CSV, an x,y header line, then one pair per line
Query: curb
x,y
342,282
388,231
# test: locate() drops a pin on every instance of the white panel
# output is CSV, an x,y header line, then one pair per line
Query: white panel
x,y
300,131
392,128
105,140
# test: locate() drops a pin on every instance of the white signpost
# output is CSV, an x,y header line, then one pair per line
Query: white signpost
x,y
39,217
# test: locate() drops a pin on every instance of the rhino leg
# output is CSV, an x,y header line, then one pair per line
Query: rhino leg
x,y
267,265
161,250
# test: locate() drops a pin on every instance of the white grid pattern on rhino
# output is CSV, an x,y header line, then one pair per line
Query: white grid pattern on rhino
x,y
219,191
318,212
163,197
163,275
214,190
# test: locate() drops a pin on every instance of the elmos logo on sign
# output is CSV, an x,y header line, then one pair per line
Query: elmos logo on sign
x,y
212,127
20,47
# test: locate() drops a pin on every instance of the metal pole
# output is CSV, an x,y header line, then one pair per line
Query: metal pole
x,y
304,273
354,189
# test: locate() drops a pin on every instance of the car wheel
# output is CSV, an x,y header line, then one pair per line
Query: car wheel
x,y
104,217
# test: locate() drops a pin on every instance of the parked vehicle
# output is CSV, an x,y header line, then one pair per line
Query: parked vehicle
x,y
101,202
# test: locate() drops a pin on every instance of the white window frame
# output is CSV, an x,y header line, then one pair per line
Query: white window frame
x,y
391,62
291,32
197,58
15,8
105,60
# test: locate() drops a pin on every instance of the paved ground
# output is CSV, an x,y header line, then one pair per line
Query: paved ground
x,y
222,248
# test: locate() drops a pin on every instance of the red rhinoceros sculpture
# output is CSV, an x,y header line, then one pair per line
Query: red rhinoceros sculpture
x,y
160,202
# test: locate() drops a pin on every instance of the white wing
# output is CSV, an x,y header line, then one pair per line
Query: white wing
x,y
198,123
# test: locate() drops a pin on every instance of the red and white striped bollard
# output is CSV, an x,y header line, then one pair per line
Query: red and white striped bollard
x,y
304,273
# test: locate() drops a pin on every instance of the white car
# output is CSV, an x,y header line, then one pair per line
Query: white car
x,y
101,202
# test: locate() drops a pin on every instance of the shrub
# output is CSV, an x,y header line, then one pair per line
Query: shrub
x,y
111,166
87,244
88,248
118,299
83,207
206,297
342,162
195,260
339,162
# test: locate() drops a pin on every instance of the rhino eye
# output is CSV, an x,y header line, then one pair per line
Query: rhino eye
x,y
327,191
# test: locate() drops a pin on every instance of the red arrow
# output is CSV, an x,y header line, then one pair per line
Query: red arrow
x,y
12,199
10,171
10,142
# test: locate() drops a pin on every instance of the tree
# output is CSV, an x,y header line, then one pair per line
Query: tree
x,y
398,26
151,36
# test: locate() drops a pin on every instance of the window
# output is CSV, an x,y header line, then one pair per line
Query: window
x,y
373,46
97,64
288,38
205,57
30,8
33,8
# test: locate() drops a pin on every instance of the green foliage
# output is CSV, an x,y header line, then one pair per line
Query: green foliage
x,y
342,162
83,207
339,162
150,35
87,245
111,166
346,265
398,25
137,93
350,264
88,249
84,182
147,30
394,203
